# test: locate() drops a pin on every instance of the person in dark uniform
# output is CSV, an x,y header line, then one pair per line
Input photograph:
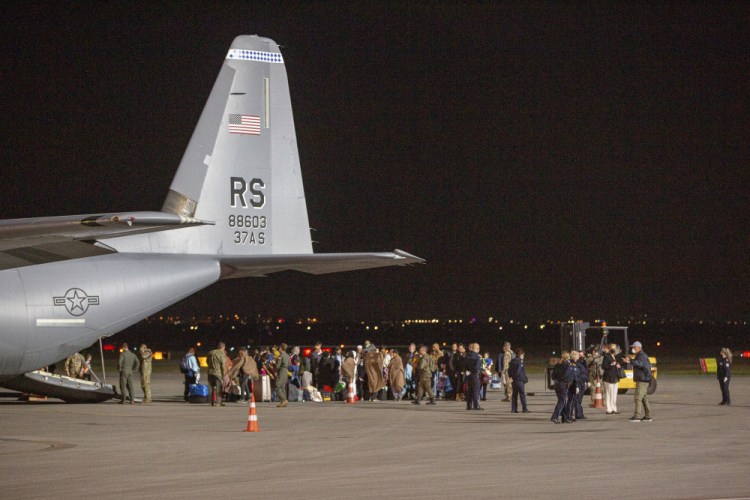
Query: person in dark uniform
x,y
561,377
723,374
517,373
583,382
450,369
574,388
473,363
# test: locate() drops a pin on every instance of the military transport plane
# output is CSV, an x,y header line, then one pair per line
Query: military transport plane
x,y
236,208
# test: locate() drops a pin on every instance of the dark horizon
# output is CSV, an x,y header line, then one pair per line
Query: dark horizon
x,y
546,160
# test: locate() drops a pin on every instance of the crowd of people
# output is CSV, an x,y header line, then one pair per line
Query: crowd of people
x,y
368,371
419,374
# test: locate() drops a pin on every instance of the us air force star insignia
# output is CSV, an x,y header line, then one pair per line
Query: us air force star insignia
x,y
76,301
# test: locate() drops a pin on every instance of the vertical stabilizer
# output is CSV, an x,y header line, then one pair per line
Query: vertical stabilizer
x,y
241,168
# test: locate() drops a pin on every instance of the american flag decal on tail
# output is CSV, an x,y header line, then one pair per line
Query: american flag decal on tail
x,y
244,124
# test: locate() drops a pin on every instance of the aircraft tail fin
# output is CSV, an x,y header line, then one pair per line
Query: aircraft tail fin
x,y
241,168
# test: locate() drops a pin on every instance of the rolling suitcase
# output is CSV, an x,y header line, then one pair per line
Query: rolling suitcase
x,y
198,393
262,388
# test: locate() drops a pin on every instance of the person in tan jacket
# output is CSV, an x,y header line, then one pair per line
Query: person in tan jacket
x,y
244,369
217,368
348,367
396,375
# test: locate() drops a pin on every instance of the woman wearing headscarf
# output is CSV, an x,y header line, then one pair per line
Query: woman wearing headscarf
x,y
347,367
723,374
396,375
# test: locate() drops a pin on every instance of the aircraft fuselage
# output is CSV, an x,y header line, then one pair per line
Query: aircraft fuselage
x,y
48,311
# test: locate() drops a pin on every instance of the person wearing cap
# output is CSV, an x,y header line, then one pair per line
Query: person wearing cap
x,y
146,357
642,377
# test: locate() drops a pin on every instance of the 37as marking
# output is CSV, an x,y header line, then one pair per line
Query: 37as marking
x,y
249,238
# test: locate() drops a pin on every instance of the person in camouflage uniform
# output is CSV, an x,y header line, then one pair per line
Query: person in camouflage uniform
x,y
426,368
503,367
146,357
217,368
73,365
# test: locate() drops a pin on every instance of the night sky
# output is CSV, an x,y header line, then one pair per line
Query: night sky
x,y
548,160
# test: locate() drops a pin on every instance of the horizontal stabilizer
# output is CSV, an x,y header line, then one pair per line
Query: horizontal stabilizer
x,y
322,263
20,233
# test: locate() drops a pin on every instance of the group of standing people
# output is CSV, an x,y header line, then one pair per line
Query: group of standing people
x,y
459,374
570,376
128,365
571,380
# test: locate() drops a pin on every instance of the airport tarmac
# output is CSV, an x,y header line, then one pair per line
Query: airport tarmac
x,y
171,449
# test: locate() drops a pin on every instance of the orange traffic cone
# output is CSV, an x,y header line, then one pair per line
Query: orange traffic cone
x,y
252,418
598,403
351,393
